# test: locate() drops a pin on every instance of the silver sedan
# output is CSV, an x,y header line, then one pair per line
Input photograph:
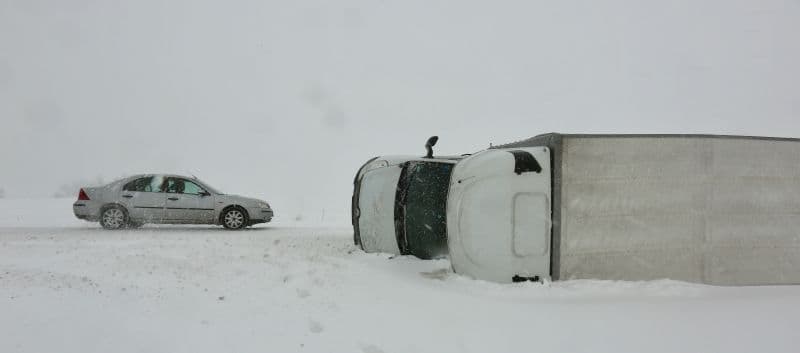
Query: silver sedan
x,y
166,199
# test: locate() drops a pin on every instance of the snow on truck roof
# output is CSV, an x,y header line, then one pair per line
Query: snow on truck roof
x,y
560,135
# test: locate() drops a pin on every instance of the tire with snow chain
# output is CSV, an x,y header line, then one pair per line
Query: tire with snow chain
x,y
113,217
234,218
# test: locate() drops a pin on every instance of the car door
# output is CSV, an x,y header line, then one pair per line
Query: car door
x,y
188,202
144,199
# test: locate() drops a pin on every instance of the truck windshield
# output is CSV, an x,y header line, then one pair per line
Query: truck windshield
x,y
420,208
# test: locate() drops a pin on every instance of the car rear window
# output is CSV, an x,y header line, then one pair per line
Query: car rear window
x,y
141,185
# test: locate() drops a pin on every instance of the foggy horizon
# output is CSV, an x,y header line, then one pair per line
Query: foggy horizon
x,y
285,101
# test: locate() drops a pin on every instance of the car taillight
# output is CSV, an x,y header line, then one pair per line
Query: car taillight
x,y
82,195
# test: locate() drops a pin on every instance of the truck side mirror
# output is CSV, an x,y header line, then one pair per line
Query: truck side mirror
x,y
429,146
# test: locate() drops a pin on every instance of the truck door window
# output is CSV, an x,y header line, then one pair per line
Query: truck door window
x,y
525,162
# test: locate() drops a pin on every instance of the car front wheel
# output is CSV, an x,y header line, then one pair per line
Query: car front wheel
x,y
234,218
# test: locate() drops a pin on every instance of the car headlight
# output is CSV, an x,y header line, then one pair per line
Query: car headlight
x,y
263,204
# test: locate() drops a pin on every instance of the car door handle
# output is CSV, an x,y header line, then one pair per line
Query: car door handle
x,y
173,198
127,196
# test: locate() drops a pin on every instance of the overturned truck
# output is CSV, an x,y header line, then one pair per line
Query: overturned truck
x,y
721,210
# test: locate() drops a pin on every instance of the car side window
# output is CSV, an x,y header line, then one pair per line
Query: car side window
x,y
191,188
155,184
140,185
172,186
182,186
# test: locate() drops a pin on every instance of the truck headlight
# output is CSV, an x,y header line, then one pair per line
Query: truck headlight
x,y
377,164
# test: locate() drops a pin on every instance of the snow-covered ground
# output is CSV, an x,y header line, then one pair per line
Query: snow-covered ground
x,y
69,286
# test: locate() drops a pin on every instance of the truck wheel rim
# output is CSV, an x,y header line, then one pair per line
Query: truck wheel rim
x,y
234,219
113,218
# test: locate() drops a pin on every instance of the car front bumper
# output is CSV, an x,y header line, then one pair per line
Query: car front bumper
x,y
260,215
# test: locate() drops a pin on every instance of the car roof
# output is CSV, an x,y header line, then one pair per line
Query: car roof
x,y
161,174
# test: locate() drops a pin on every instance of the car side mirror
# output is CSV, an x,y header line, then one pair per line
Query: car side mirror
x,y
204,193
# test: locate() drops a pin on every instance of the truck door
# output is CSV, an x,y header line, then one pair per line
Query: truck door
x,y
498,215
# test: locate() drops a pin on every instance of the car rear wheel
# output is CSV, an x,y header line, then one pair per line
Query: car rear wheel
x,y
234,218
113,217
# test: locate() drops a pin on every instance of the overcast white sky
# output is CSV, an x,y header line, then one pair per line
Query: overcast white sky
x,y
285,100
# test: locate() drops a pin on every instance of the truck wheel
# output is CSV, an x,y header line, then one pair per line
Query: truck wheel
x,y
234,218
113,217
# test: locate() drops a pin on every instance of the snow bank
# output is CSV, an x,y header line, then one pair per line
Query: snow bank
x,y
71,287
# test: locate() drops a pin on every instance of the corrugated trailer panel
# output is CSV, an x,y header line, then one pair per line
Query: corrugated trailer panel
x,y
753,232
632,208
718,210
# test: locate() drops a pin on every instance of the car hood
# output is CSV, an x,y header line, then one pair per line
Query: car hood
x,y
243,200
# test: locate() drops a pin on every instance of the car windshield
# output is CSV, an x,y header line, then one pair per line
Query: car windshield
x,y
420,209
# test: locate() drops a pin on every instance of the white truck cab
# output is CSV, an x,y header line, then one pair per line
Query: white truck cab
x,y
499,216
